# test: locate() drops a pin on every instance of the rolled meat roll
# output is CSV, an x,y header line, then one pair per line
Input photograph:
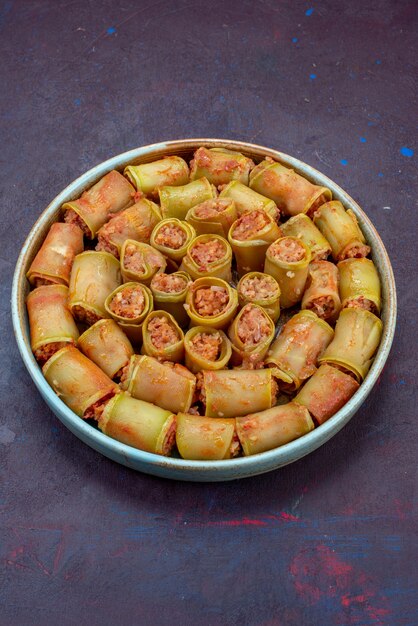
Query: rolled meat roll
x,y
136,222
250,236
341,229
140,262
79,382
302,227
360,285
220,166
94,276
111,194
208,255
50,322
261,289
149,177
206,349
357,337
169,292
172,237
326,392
170,386
129,305
247,200
228,393
206,438
162,337
291,192
251,334
297,348
211,302
139,424
287,260
321,294
273,427
177,201
214,216
106,344
53,263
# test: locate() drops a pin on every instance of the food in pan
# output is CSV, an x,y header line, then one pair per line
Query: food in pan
x,y
165,335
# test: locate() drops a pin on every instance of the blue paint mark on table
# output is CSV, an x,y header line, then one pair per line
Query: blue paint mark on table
x,y
408,152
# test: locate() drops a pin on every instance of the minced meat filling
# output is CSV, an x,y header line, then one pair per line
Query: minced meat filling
x,y
207,345
170,236
211,208
361,303
45,352
287,250
41,281
249,225
253,327
85,315
95,411
128,302
322,306
206,252
211,301
258,287
359,251
168,283
104,245
134,259
71,217
162,333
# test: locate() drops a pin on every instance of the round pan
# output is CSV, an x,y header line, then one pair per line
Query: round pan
x,y
181,469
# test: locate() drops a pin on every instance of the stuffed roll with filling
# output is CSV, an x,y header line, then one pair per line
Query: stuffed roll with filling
x,y
111,194
53,263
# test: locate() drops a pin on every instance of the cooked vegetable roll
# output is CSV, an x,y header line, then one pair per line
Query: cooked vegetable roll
x,y
94,276
149,177
129,305
214,216
208,255
106,344
206,349
291,192
272,428
341,229
247,200
136,222
287,260
50,322
250,236
298,346
139,424
79,382
360,285
326,392
251,334
169,292
162,337
140,262
302,227
357,337
206,438
211,302
321,294
220,166
168,385
111,194
171,237
177,201
261,289
53,262
228,393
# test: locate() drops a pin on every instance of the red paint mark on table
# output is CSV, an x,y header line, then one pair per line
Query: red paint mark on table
x,y
319,573
264,521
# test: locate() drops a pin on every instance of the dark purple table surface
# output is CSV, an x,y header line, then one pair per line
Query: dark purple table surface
x,y
328,540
